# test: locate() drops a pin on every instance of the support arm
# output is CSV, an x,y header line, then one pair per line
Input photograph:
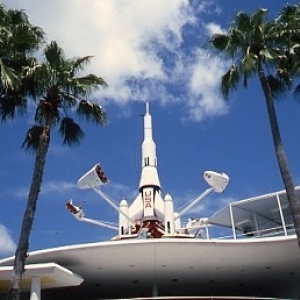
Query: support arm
x,y
111,203
193,203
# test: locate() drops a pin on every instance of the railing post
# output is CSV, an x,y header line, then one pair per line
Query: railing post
x,y
207,232
281,215
256,225
35,292
232,222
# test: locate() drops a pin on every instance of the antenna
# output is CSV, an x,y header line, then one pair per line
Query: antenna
x,y
147,108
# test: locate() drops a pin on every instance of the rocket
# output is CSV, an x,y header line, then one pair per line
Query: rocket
x,y
149,204
149,215
149,174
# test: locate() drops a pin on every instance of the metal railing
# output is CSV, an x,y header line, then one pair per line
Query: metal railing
x,y
206,233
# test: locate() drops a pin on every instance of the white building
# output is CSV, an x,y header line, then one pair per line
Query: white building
x,y
155,254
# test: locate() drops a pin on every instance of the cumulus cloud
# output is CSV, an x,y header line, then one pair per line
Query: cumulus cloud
x,y
7,245
213,28
139,47
204,97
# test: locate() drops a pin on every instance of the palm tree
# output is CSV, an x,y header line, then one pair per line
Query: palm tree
x,y
18,39
255,47
62,94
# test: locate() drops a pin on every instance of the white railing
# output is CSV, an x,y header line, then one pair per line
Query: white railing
x,y
268,232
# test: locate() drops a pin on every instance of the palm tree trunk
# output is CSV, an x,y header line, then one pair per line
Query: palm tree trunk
x,y
280,153
23,245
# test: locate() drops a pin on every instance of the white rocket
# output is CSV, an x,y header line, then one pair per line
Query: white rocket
x,y
149,204
149,174
149,214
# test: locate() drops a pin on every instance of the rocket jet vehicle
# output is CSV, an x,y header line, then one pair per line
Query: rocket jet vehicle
x,y
148,207
149,215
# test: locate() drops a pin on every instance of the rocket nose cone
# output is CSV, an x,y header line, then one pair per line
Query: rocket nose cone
x,y
123,202
168,197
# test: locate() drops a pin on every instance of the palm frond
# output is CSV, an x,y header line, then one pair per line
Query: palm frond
x,y
242,21
284,76
257,19
8,77
80,86
30,83
91,81
248,63
246,67
287,14
278,86
32,139
71,132
69,100
229,81
220,41
25,38
54,55
91,112
79,63
266,54
10,102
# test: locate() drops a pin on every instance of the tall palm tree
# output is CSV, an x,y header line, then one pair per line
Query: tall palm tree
x,y
19,39
255,47
62,94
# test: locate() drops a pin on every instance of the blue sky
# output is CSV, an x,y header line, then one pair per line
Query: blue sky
x,y
156,51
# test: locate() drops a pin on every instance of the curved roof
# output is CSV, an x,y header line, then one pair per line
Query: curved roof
x,y
177,267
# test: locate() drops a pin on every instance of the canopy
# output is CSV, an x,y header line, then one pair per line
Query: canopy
x,y
264,212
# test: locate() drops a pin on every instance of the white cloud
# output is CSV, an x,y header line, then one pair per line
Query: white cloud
x,y
119,191
213,28
47,187
204,98
7,245
207,206
138,47
57,186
